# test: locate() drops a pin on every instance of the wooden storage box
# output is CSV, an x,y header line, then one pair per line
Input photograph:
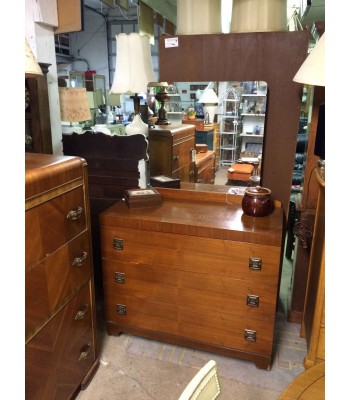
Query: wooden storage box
x,y
139,198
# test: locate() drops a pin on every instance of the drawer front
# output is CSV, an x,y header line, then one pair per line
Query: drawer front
x,y
223,258
206,173
218,328
51,224
203,292
182,153
185,173
56,279
59,356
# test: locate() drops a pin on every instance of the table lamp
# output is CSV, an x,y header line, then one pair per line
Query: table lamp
x,y
74,107
133,72
114,102
162,96
210,101
312,72
32,68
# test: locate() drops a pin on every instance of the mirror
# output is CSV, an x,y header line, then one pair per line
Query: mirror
x,y
235,129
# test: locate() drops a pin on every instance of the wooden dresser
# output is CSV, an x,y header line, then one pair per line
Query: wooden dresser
x,y
195,271
205,167
170,151
215,126
60,328
313,323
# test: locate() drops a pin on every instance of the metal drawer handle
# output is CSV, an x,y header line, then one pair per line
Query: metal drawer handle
x,y
75,214
81,314
255,264
176,157
79,261
86,350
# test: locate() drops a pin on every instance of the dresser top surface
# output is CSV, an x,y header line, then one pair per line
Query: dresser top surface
x,y
43,172
207,216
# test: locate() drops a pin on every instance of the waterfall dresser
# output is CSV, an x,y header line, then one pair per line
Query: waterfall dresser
x,y
195,272
60,329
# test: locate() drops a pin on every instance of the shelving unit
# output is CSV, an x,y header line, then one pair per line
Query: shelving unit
x,y
229,128
253,121
174,108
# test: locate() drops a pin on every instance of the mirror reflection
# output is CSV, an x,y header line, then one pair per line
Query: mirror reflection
x,y
229,120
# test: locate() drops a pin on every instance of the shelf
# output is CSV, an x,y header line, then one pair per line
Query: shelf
x,y
252,115
230,116
253,95
229,133
252,135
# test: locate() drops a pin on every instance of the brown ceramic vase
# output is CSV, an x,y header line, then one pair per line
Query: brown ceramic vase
x,y
257,202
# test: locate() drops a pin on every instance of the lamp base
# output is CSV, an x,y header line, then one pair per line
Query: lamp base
x,y
137,126
69,130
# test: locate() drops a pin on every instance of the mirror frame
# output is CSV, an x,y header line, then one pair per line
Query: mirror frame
x,y
273,57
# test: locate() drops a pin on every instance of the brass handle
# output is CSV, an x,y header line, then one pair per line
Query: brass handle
x,y
81,314
79,261
176,157
75,214
85,351
191,172
28,139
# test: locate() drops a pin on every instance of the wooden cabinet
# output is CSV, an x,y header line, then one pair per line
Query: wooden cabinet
x,y
216,141
313,324
60,329
170,151
37,114
205,137
195,271
205,167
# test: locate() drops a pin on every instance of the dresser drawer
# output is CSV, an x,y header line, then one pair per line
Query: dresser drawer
x,y
208,326
182,152
65,348
239,260
51,224
231,296
52,282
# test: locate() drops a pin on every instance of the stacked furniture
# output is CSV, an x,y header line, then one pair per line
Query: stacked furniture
x,y
194,271
113,167
60,328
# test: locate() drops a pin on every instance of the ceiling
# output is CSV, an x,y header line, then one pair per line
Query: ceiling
x,y
168,8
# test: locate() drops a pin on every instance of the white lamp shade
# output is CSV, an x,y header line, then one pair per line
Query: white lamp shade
x,y
32,68
198,17
134,68
312,71
114,99
208,97
74,104
259,15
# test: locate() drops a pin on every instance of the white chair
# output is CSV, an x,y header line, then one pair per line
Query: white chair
x,y
204,385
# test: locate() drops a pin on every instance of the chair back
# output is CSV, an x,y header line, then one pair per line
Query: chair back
x,y
204,385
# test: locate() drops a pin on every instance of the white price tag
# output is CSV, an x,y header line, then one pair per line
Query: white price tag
x,y
171,42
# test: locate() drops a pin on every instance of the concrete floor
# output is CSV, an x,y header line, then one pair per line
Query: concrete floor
x,y
134,368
